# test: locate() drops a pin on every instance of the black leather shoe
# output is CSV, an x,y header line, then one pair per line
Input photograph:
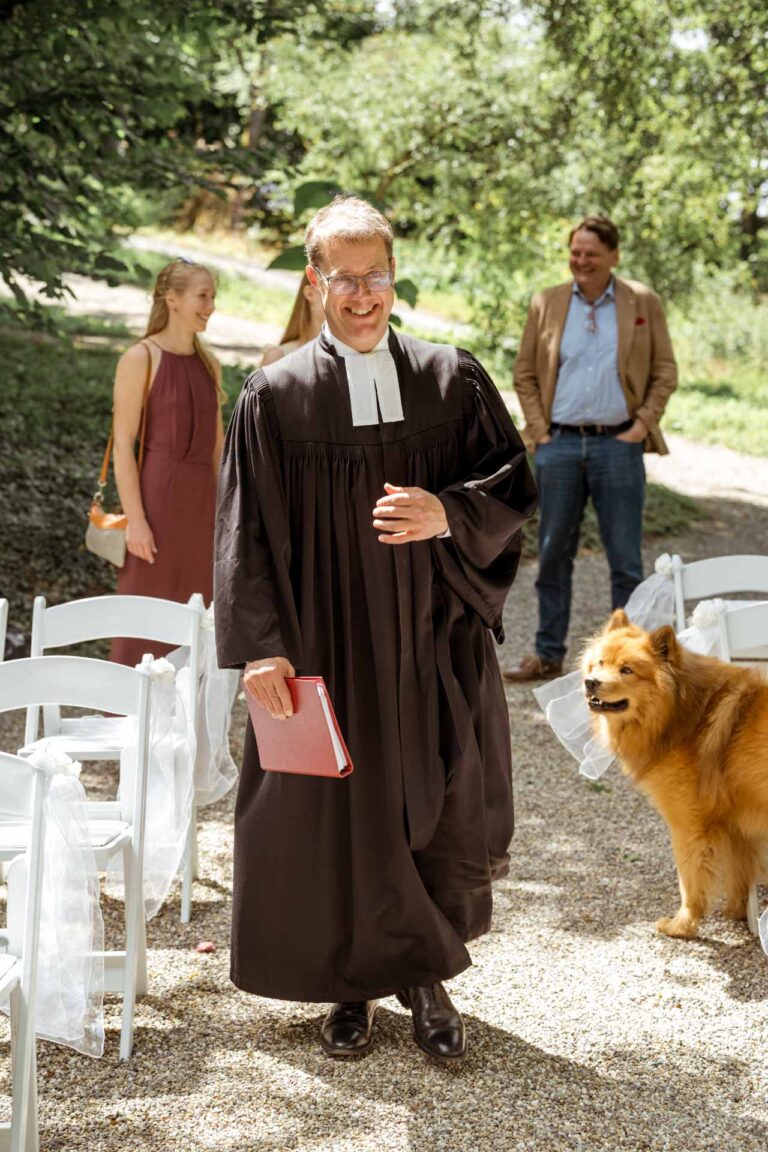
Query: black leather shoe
x,y
347,1029
437,1026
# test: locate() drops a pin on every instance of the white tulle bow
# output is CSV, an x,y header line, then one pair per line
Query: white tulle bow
x,y
704,634
49,758
169,782
651,605
70,982
667,565
215,770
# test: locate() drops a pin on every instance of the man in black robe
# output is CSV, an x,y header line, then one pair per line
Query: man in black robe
x,y
372,492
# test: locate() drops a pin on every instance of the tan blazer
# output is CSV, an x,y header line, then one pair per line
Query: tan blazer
x,y
647,367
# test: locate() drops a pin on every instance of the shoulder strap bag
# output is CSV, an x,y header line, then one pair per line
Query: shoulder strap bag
x,y
105,534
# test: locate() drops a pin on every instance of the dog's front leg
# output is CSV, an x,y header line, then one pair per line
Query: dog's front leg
x,y
695,857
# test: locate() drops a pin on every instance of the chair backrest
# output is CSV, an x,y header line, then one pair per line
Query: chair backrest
x,y
742,630
83,683
103,617
717,576
3,626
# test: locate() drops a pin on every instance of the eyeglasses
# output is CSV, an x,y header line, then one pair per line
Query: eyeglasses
x,y
345,285
590,322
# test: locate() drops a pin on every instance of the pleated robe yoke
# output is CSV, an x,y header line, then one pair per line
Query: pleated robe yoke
x,y
353,889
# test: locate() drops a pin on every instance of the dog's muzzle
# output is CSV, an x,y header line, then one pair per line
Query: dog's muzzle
x,y
595,704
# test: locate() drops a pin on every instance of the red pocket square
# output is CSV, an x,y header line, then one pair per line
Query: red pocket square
x,y
640,320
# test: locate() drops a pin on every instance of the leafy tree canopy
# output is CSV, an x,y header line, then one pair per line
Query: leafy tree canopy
x,y
101,100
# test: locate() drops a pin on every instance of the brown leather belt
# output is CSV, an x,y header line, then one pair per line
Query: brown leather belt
x,y
593,429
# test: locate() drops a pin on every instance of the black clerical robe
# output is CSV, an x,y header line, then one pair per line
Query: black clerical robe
x,y
351,889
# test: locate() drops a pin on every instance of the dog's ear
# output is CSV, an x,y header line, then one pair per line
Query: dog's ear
x,y
664,643
617,619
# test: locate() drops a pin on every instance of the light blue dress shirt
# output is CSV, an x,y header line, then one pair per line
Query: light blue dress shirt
x,y
588,389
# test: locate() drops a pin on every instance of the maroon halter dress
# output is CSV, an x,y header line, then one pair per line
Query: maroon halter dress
x,y
178,490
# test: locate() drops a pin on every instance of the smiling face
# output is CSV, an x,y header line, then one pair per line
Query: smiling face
x,y
591,263
359,320
193,307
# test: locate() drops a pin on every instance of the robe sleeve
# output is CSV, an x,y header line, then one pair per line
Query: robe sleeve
x,y
254,606
488,506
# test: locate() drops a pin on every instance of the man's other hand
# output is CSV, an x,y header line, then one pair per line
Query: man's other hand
x,y
408,514
264,680
635,434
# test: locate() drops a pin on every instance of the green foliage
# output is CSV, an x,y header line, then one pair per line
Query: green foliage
x,y
312,195
676,96
294,259
487,135
721,344
100,101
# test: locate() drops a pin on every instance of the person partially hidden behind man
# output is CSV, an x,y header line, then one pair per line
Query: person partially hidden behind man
x,y
372,494
594,372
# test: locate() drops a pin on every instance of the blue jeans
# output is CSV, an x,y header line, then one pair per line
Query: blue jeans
x,y
569,469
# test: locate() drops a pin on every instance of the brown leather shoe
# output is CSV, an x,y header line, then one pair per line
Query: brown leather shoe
x,y
348,1027
533,667
437,1026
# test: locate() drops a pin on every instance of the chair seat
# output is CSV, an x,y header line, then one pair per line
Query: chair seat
x,y
91,737
104,834
10,973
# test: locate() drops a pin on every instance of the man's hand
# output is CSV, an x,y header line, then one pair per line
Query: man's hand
x,y
545,439
635,434
264,680
408,514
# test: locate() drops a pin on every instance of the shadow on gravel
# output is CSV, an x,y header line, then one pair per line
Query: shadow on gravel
x,y
507,1093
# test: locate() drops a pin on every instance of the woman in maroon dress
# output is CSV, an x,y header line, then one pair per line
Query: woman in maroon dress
x,y
170,506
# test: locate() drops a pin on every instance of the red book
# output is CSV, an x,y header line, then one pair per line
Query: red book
x,y
308,743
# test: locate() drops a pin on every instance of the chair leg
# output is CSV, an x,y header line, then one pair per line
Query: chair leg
x,y
24,1132
32,1143
189,867
134,927
141,954
752,910
195,847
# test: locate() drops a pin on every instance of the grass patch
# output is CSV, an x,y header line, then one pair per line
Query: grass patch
x,y
723,406
55,406
57,322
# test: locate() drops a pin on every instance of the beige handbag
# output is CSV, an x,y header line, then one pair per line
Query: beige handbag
x,y
105,534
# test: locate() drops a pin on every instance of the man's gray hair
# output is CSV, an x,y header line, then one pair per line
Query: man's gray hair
x,y
349,219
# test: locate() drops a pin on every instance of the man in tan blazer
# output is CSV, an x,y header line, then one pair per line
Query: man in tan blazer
x,y
594,373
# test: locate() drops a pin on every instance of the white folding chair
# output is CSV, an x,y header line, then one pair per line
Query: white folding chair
x,y
719,576
23,789
104,617
742,632
116,827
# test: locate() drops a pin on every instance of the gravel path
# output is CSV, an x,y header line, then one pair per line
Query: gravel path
x,y
587,1031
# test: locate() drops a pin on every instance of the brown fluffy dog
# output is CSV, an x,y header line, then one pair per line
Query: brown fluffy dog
x,y
692,733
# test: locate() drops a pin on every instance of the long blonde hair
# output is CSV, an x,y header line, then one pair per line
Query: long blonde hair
x,y
175,277
300,320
